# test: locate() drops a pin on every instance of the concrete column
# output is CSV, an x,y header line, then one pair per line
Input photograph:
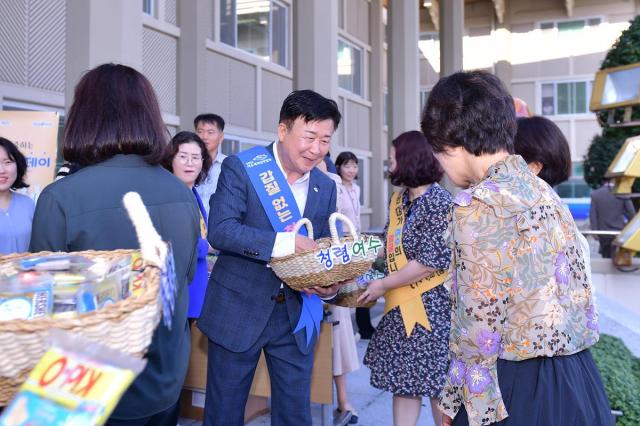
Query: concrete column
x,y
451,33
98,32
378,139
195,20
315,46
404,67
502,35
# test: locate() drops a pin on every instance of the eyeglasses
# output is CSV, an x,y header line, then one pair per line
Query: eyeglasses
x,y
184,159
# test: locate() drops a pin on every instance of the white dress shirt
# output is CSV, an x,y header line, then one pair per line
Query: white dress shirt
x,y
286,241
208,186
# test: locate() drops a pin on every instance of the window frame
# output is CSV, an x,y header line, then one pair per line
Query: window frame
x,y
425,91
287,31
152,8
361,49
240,143
555,83
555,22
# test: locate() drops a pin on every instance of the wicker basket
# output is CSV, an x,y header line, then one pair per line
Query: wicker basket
x,y
348,296
306,269
127,325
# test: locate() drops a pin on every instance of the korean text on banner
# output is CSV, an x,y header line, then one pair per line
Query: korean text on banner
x,y
35,133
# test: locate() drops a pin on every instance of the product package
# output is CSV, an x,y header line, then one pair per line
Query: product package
x,y
25,295
136,280
76,383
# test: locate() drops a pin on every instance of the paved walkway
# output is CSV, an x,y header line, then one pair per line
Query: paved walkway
x,y
374,406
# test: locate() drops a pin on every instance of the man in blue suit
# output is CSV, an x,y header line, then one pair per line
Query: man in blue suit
x,y
247,309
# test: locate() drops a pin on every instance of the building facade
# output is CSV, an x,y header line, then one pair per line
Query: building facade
x,y
377,58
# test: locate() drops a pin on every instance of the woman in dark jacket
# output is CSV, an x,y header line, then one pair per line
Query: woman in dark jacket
x,y
115,132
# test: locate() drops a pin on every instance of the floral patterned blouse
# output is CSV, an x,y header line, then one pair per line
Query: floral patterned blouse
x,y
518,285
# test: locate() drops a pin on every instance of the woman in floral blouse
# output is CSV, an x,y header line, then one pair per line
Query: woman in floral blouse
x,y
522,305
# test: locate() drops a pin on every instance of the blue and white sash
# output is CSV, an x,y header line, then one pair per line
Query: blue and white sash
x,y
280,206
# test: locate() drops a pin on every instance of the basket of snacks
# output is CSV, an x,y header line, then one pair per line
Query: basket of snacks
x,y
110,297
334,260
348,294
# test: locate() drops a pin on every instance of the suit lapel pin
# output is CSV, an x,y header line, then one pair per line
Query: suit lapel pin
x,y
315,188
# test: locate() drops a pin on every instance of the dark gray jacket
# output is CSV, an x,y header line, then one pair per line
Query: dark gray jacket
x,y
609,212
84,211
239,298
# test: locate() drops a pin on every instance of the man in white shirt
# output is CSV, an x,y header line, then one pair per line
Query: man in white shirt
x,y
210,128
247,309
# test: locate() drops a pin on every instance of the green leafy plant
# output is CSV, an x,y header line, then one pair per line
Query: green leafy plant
x,y
604,147
620,372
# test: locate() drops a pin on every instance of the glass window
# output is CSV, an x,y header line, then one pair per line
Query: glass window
x,y
260,27
253,27
548,103
350,67
571,25
594,22
579,97
568,27
230,146
565,98
147,7
228,34
429,37
279,31
385,108
424,96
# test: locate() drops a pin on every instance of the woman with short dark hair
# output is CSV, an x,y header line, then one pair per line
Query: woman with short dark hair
x,y
523,316
408,352
115,131
545,149
188,159
16,210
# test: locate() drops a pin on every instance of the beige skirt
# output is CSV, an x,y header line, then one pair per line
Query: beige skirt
x,y
345,354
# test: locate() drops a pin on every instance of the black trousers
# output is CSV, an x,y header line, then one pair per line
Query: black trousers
x,y
363,321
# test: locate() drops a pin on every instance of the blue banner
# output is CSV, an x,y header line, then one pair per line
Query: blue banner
x,y
280,206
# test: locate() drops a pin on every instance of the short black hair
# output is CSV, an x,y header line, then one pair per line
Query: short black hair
x,y
210,119
472,110
174,146
310,106
415,163
114,111
343,158
539,139
21,163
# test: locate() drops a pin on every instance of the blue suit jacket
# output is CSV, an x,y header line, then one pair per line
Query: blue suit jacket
x,y
238,302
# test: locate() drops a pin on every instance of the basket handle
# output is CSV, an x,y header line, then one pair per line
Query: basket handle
x,y
152,248
307,223
335,238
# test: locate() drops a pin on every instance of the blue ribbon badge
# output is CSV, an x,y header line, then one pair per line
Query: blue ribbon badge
x,y
280,206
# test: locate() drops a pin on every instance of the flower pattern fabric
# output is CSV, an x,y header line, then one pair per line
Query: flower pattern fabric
x,y
518,285
417,365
